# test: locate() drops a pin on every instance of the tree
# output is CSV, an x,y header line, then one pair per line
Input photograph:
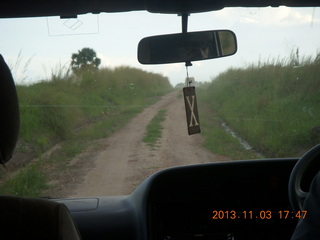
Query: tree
x,y
85,59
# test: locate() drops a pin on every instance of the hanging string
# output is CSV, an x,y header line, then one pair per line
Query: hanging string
x,y
187,76
187,70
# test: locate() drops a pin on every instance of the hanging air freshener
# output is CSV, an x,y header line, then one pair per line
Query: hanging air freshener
x,y
190,101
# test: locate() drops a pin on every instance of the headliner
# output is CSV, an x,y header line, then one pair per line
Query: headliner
x,y
72,8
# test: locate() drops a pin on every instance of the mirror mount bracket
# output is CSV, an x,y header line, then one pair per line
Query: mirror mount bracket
x,y
188,64
184,21
184,18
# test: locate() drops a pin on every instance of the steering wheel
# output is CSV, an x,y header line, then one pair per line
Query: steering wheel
x,y
296,194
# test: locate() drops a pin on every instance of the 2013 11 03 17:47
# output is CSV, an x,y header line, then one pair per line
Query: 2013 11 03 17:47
x,y
260,214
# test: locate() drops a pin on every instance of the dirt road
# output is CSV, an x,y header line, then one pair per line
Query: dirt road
x,y
125,160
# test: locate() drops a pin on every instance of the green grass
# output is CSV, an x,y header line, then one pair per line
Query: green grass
x,y
75,110
218,140
154,129
274,106
33,180
28,182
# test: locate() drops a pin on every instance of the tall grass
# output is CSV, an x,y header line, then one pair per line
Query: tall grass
x,y
273,105
216,139
52,110
28,182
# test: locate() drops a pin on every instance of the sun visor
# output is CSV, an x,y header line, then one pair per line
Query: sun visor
x,y
9,113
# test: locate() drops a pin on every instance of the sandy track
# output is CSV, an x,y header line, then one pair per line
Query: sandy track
x,y
125,161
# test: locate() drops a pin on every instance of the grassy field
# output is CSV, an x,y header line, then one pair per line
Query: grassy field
x,y
74,111
273,105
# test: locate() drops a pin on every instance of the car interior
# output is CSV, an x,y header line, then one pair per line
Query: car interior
x,y
248,199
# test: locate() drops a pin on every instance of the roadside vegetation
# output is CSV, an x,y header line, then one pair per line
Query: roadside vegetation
x,y
154,129
53,110
72,110
217,139
273,105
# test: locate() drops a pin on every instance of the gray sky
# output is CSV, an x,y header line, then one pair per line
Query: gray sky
x,y
263,33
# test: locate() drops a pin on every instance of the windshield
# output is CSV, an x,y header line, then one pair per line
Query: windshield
x,y
95,122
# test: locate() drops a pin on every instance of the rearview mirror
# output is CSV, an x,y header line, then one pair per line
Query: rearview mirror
x,y
187,47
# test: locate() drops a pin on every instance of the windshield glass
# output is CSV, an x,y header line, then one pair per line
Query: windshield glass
x,y
95,122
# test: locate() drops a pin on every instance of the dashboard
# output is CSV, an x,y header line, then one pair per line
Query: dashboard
x,y
227,200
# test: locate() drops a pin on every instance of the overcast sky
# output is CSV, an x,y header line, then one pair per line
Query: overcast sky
x,y
48,43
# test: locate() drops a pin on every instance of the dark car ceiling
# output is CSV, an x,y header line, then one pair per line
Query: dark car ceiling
x,y
72,8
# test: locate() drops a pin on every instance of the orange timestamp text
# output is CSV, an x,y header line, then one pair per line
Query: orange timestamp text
x,y
257,214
